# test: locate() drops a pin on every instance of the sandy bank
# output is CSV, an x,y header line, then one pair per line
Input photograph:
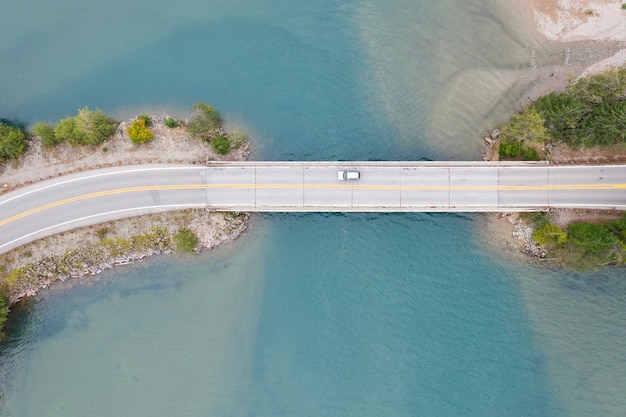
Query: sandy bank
x,y
566,21
580,20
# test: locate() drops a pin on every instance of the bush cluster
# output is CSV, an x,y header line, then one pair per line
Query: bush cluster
x,y
88,127
509,148
205,122
139,132
583,245
221,145
592,111
93,127
550,235
12,142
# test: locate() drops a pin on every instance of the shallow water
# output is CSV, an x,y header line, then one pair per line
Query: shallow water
x,y
319,314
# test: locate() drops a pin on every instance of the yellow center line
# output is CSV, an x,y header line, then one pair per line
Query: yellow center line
x,y
97,194
314,186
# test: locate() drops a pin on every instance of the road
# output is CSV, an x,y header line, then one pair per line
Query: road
x,y
88,198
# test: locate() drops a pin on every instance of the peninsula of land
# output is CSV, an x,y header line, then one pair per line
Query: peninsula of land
x,y
89,251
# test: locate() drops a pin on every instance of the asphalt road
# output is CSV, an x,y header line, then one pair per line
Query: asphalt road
x,y
97,196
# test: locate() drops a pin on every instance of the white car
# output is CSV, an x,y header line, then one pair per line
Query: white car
x,y
348,175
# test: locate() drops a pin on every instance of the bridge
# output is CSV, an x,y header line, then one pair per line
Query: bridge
x,y
92,197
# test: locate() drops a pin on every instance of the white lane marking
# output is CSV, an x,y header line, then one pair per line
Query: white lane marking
x,y
168,206
45,187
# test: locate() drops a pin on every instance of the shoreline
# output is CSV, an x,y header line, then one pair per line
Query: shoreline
x,y
557,22
82,253
170,145
597,23
89,251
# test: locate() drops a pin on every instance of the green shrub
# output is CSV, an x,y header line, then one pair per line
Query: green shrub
x,y
530,154
509,148
185,241
171,122
146,119
618,228
591,237
46,133
4,312
139,132
89,127
205,121
605,124
596,89
94,126
564,115
12,142
221,145
537,218
529,125
550,235
66,129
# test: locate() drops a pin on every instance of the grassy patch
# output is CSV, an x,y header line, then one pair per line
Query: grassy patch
x,y
185,241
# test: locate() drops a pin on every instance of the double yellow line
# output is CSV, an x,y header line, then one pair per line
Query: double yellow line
x,y
313,186
99,194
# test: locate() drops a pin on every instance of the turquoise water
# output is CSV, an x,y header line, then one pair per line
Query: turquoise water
x,y
319,314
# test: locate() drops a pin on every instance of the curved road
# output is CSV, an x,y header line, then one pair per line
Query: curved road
x,y
92,197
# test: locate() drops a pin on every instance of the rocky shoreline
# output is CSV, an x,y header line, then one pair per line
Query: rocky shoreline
x,y
118,243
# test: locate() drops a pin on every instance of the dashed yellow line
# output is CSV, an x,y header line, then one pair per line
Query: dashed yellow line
x,y
314,186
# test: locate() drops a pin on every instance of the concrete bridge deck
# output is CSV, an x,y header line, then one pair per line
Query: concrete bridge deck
x,y
414,186
92,197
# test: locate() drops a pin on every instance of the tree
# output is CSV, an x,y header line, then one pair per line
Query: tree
x,y
609,85
66,129
12,142
89,127
94,126
46,133
564,115
205,121
139,132
529,125
591,237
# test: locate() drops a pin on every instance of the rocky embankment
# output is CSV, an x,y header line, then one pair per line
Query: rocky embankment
x,y
523,233
92,250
